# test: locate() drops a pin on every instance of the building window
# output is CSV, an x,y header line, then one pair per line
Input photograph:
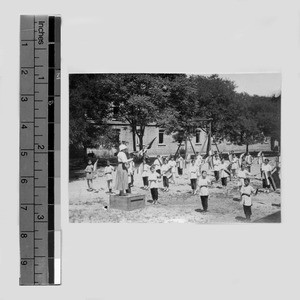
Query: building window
x,y
118,132
198,136
114,111
161,136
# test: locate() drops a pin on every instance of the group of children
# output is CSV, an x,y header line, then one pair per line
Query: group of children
x,y
167,169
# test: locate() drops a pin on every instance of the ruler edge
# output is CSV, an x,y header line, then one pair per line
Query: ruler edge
x,y
57,153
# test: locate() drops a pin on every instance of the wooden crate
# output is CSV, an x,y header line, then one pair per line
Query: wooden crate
x,y
128,202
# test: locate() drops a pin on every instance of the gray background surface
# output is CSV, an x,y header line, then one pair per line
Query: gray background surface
x,y
170,261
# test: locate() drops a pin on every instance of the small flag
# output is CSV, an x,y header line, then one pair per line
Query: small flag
x,y
144,150
95,166
150,144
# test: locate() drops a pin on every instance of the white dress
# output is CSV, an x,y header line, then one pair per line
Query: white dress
x,y
246,192
222,168
108,171
122,173
194,172
242,175
153,180
146,169
203,185
234,163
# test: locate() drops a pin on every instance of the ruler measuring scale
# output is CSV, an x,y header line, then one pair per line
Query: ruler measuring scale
x,y
40,150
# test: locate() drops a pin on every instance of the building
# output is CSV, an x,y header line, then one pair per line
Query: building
x,y
165,145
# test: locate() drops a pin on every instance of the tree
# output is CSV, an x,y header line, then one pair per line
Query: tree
x,y
175,102
267,111
259,118
180,117
198,97
88,110
247,131
140,100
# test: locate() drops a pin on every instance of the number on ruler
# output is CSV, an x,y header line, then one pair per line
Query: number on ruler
x,y
24,126
58,75
24,180
24,72
40,217
24,153
41,147
23,262
23,235
24,99
24,44
24,207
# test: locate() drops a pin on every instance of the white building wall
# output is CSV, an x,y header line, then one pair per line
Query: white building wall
x,y
170,147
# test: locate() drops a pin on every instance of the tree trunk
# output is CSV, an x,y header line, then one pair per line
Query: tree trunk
x,y
141,137
272,142
185,147
85,153
208,144
141,142
133,137
247,148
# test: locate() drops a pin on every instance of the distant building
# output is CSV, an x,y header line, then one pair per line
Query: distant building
x,y
164,144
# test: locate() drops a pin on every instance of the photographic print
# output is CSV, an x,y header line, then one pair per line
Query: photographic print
x,y
174,148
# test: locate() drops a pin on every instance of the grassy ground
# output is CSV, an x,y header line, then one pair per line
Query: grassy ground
x,y
177,205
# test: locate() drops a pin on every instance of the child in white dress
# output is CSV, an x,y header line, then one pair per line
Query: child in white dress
x,y
153,182
89,170
145,174
242,175
246,191
108,171
194,173
203,184
224,173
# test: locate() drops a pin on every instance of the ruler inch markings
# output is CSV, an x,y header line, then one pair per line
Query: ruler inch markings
x,y
38,82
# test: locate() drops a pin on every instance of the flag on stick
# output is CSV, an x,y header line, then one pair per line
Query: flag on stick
x,y
144,150
95,166
150,144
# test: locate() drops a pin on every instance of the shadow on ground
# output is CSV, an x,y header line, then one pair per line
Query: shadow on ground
x,y
273,218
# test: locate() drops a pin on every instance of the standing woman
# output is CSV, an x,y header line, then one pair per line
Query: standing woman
x,y
122,172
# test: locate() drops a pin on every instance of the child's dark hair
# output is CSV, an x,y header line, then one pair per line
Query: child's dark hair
x,y
247,180
203,172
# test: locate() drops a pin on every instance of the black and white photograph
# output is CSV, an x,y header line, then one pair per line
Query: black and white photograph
x,y
175,148
150,150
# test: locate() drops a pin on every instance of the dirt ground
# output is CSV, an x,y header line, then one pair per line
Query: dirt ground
x,y
176,206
